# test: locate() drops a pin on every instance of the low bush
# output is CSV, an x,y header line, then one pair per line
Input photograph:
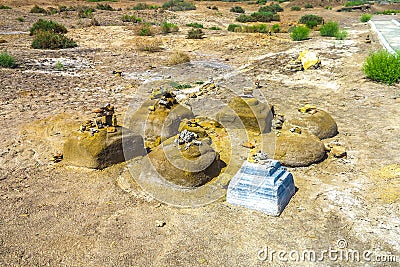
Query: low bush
x,y
38,9
85,11
20,19
4,7
178,58
383,66
232,27
145,30
330,29
215,28
328,7
300,33
308,6
365,17
341,35
311,17
167,27
178,5
131,18
51,40
7,61
65,8
274,8
311,24
295,8
195,33
143,6
47,25
148,44
237,9
195,25
275,28
258,16
354,3
105,7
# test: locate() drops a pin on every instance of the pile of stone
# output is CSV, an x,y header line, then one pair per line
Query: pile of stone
x,y
187,138
104,118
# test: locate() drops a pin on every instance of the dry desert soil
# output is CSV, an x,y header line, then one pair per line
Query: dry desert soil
x,y
57,215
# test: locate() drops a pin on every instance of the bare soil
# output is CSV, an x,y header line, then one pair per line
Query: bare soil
x,y
57,215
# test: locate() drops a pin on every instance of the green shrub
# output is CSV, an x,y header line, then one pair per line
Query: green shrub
x,y
274,8
195,33
365,17
131,18
7,61
275,28
232,27
145,30
258,16
105,7
47,25
308,6
143,6
38,9
59,66
330,29
85,11
261,2
237,9
167,27
295,8
354,3
20,19
383,66
195,25
215,28
300,33
245,18
341,35
311,17
388,12
4,7
311,24
178,5
328,7
51,40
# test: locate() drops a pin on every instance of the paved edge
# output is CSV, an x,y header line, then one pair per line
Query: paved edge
x,y
382,39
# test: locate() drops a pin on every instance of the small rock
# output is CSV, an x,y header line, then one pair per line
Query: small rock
x,y
111,129
160,223
338,151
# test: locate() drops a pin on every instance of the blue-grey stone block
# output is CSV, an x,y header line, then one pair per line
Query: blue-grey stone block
x,y
266,187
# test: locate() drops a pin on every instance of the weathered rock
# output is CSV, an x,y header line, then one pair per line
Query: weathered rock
x,y
295,150
192,167
338,151
102,149
161,122
253,114
317,122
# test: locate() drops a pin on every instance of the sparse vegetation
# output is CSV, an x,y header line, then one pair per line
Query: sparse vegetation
x,y
167,27
4,7
178,5
275,28
355,3
195,33
382,66
195,25
7,61
300,33
148,44
237,9
258,17
51,40
215,28
232,27
295,8
308,6
38,9
388,12
47,26
143,6
102,1
365,17
341,35
274,8
330,29
131,18
59,66
105,7
311,20
20,19
178,58
65,8
145,30
85,11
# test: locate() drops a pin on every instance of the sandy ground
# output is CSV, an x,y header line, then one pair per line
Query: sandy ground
x,y
56,215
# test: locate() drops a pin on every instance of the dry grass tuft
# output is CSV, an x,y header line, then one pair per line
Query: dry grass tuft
x,y
148,44
178,58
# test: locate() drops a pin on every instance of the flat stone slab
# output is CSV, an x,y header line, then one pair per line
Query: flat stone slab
x,y
264,187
